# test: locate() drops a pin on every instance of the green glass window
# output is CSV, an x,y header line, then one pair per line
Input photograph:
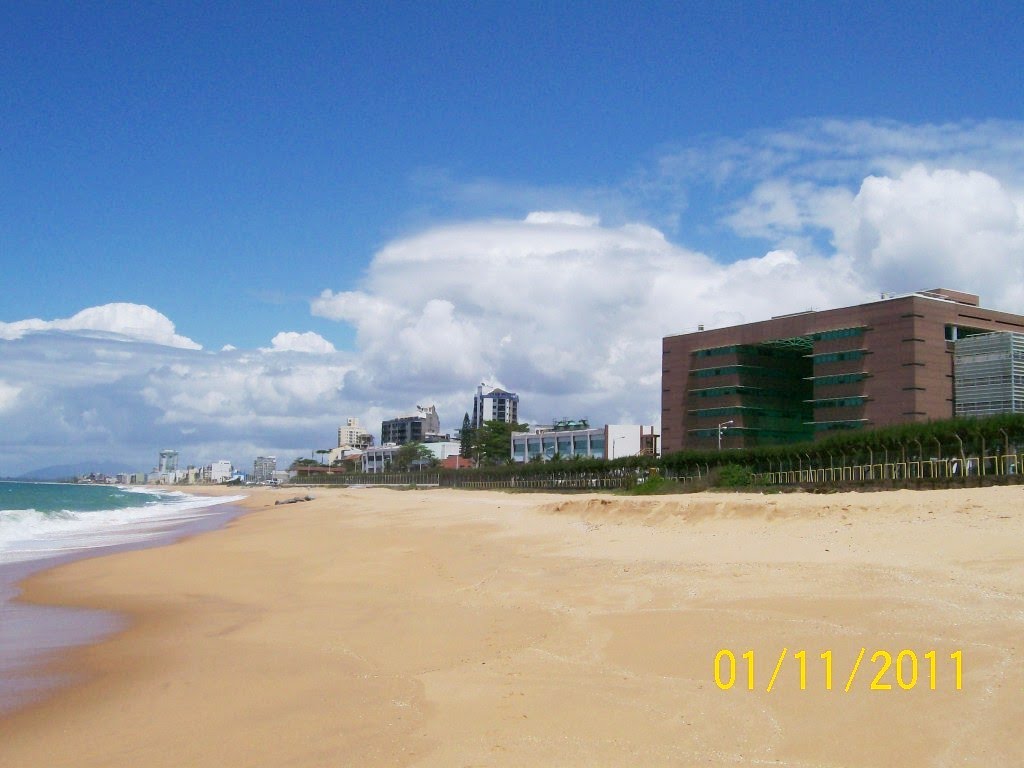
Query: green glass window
x,y
838,333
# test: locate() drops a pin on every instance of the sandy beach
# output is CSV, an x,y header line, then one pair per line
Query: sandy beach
x,y
373,627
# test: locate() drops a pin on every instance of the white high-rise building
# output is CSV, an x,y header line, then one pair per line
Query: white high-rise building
x,y
353,436
220,471
496,405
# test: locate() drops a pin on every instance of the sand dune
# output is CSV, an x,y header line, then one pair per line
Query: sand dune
x,y
443,628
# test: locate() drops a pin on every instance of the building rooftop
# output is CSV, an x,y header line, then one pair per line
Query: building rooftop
x,y
948,295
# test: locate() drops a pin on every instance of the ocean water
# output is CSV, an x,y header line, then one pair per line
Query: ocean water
x,y
43,520
43,524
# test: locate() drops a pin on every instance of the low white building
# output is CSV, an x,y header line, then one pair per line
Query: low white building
x,y
380,458
444,448
568,439
218,471
343,452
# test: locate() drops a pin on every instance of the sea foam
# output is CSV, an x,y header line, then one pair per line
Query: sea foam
x,y
45,523
31,534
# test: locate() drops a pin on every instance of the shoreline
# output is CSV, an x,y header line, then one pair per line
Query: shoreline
x,y
36,635
435,628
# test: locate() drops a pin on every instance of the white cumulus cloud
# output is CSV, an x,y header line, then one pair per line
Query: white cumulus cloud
x,y
309,342
948,227
570,218
136,322
568,314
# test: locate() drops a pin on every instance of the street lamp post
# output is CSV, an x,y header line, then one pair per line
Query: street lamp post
x,y
614,439
720,428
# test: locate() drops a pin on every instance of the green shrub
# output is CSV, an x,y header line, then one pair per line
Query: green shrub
x,y
649,486
732,476
655,485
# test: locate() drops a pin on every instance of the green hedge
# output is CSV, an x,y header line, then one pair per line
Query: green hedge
x,y
937,439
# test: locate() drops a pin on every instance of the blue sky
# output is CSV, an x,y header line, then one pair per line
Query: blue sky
x,y
252,170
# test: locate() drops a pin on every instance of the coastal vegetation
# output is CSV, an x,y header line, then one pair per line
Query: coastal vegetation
x,y
984,439
488,445
413,457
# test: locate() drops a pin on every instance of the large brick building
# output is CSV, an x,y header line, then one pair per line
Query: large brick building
x,y
795,377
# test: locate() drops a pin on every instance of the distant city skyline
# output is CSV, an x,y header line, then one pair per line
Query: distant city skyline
x,y
226,229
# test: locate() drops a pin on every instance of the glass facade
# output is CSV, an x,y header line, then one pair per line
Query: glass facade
x,y
838,333
550,446
763,389
829,426
988,374
566,444
778,391
842,378
841,402
533,447
835,357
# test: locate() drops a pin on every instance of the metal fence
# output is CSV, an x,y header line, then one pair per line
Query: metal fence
x,y
389,479
804,473
923,469
554,481
557,483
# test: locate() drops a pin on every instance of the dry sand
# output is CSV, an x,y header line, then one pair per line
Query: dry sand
x,y
442,628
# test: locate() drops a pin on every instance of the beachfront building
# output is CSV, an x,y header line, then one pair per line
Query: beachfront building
x,y
263,469
988,374
166,471
351,435
569,439
221,471
168,462
341,453
443,449
424,426
346,459
496,405
796,377
379,458
217,471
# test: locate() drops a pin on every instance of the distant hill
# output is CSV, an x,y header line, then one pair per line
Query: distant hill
x,y
69,471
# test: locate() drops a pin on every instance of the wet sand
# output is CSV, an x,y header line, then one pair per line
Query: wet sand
x,y
444,628
32,634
